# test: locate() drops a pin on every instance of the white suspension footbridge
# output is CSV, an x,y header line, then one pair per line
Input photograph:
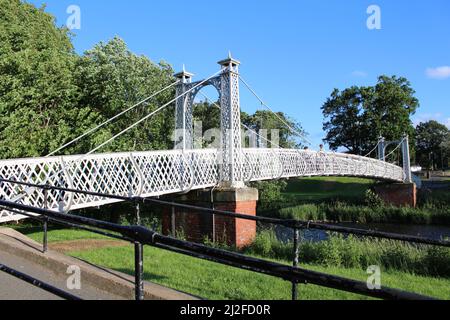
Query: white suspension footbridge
x,y
156,173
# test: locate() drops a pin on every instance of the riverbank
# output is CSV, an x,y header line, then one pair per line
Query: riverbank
x,y
345,212
338,199
353,252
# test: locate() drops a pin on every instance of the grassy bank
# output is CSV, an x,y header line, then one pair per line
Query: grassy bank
x,y
318,189
341,199
344,212
352,252
215,281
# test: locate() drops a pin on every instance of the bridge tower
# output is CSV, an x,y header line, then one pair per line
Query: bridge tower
x,y
406,156
230,122
183,122
399,194
381,149
231,194
406,159
227,84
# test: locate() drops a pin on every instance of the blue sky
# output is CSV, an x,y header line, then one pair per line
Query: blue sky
x,y
293,53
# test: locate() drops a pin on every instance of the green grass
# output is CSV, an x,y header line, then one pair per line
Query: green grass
x,y
54,234
353,252
320,188
344,199
344,212
214,281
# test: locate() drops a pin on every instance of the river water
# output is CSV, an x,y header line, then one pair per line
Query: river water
x,y
427,231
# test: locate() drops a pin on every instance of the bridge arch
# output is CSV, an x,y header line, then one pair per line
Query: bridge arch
x,y
227,84
184,122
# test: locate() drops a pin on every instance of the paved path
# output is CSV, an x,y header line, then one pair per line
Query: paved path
x,y
12,288
25,255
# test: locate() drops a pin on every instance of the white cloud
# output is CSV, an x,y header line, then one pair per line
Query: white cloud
x,y
359,73
439,72
425,117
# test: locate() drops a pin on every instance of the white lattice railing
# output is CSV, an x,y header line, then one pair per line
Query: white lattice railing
x,y
155,173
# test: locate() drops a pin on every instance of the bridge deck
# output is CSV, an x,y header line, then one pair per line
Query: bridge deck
x,y
155,173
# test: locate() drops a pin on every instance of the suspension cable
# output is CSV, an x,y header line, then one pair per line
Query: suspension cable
x,y
244,125
372,149
398,146
23,193
111,119
151,114
296,132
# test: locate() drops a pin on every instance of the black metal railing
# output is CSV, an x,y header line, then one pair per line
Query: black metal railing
x,y
38,283
140,236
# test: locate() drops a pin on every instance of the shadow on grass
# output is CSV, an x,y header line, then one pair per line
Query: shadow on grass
x,y
329,189
30,229
322,187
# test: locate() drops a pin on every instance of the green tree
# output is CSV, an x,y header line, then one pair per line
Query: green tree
x,y
277,132
357,116
112,78
38,96
431,138
275,128
445,145
347,124
270,192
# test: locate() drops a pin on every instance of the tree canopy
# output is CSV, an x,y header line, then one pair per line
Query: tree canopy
x,y
111,78
50,95
261,123
45,89
445,145
431,139
357,116
38,96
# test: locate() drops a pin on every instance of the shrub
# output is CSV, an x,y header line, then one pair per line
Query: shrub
x,y
343,212
263,243
354,252
372,199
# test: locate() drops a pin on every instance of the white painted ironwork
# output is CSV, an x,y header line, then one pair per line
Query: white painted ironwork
x,y
156,173
227,84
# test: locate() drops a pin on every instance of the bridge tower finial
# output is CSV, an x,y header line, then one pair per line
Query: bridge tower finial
x,y
230,62
184,76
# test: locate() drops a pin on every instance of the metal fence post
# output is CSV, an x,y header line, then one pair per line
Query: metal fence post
x,y
45,236
295,262
138,271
